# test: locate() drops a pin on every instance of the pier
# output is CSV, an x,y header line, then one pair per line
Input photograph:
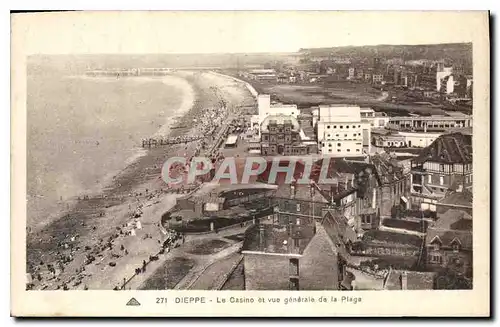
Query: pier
x,y
154,142
128,72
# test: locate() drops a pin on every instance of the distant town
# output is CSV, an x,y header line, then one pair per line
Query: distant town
x,y
398,134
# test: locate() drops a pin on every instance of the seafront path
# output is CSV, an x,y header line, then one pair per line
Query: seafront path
x,y
234,95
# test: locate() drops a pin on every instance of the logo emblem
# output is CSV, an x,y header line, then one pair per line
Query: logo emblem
x,y
133,302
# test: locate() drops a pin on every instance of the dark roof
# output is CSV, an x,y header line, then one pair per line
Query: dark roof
x,y
274,237
385,237
342,166
453,224
416,280
458,198
448,149
387,168
447,238
450,219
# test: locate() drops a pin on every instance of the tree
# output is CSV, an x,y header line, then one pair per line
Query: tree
x,y
451,280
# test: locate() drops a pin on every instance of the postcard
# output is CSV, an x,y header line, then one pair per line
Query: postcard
x,y
250,163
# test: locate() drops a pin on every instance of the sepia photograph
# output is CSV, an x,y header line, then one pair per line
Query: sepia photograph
x,y
251,151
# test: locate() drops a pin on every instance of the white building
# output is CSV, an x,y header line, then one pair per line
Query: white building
x,y
265,109
376,119
340,131
440,74
419,140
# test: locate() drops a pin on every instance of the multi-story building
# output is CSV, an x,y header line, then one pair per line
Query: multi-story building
x,y
281,135
266,108
289,250
441,73
340,131
352,73
377,78
444,165
449,239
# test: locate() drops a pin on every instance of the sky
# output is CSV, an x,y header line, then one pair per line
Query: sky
x,y
236,32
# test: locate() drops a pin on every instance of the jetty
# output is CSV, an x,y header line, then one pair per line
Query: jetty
x,y
155,142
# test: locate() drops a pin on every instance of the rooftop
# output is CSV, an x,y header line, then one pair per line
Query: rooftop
x,y
449,237
269,238
302,192
448,149
415,280
390,238
279,120
458,198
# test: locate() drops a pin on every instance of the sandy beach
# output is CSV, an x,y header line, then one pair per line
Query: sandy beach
x,y
101,224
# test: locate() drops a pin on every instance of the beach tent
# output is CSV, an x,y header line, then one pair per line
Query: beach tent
x,y
138,225
132,232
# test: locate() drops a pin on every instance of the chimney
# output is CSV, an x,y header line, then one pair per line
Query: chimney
x,y
404,281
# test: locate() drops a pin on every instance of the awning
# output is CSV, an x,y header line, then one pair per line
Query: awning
x,y
404,199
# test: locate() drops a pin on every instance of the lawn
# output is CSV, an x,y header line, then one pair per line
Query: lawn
x,y
168,275
207,247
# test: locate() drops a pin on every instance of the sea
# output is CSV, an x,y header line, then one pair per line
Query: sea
x,y
81,131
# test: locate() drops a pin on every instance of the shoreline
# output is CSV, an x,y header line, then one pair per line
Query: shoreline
x,y
61,208
97,219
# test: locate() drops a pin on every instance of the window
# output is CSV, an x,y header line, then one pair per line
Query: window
x,y
341,126
359,126
294,267
329,144
456,247
348,150
354,134
366,219
328,126
338,150
436,259
359,134
347,126
339,144
441,166
329,150
357,150
345,135
334,126
429,179
294,284
328,135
